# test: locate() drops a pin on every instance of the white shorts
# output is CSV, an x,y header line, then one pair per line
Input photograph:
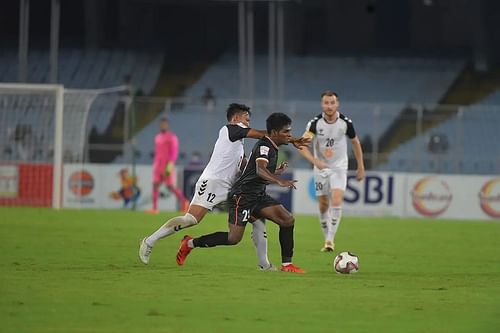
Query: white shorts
x,y
210,192
324,185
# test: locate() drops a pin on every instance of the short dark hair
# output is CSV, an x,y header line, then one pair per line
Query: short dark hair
x,y
235,108
163,120
276,121
329,93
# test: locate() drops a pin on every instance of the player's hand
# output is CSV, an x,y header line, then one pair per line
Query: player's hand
x,y
360,174
320,164
281,168
168,169
325,173
300,142
287,183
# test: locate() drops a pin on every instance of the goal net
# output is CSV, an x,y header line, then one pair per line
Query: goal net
x,y
42,127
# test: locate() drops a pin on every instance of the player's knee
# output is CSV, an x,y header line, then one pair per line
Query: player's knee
x,y
287,220
234,238
189,220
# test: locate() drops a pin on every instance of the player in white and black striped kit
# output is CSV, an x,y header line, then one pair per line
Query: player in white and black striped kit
x,y
330,132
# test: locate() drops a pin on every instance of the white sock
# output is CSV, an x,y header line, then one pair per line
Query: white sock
x,y
324,219
336,214
171,227
259,238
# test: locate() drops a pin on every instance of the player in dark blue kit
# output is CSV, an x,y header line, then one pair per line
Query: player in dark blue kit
x,y
248,197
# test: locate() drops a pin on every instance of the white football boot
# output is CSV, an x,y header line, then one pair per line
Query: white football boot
x,y
145,251
329,247
270,268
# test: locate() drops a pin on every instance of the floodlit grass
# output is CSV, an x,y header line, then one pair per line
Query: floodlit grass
x,y
77,271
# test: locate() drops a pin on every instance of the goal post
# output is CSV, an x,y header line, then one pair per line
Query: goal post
x,y
25,108
42,126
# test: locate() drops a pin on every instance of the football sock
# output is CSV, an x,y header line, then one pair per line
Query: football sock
x,y
324,219
171,227
259,238
286,242
336,214
156,194
211,240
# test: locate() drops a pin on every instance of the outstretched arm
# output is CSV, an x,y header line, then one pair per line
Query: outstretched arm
x,y
256,134
300,142
297,142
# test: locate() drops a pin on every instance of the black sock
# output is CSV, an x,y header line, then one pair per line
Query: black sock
x,y
286,242
211,240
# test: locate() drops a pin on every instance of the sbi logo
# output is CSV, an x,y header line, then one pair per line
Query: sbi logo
x,y
373,190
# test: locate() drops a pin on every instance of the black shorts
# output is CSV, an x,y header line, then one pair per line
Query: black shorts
x,y
242,206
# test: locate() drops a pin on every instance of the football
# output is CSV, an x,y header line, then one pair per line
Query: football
x,y
346,263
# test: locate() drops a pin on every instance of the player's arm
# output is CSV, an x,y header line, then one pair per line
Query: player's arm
x,y
300,142
264,173
237,132
306,153
173,153
358,154
357,150
174,149
281,168
256,134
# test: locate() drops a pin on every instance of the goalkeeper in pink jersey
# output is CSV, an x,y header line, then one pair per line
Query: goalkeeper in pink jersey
x,y
166,152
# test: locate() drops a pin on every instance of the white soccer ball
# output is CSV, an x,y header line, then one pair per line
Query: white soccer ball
x,y
346,263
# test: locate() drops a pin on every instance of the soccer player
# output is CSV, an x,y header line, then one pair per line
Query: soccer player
x,y
329,132
248,196
166,152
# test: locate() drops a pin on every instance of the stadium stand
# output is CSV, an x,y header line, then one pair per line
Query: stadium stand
x,y
373,91
463,143
366,79
90,69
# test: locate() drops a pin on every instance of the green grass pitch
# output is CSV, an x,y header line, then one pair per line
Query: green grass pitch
x,y
77,271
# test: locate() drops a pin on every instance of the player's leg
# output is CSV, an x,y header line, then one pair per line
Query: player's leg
x,y
170,184
338,183
208,193
155,196
272,210
219,238
157,180
259,238
192,217
322,186
239,216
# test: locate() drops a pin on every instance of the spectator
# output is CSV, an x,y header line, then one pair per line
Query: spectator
x,y
208,99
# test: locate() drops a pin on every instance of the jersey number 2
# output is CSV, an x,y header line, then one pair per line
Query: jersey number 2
x,y
246,215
